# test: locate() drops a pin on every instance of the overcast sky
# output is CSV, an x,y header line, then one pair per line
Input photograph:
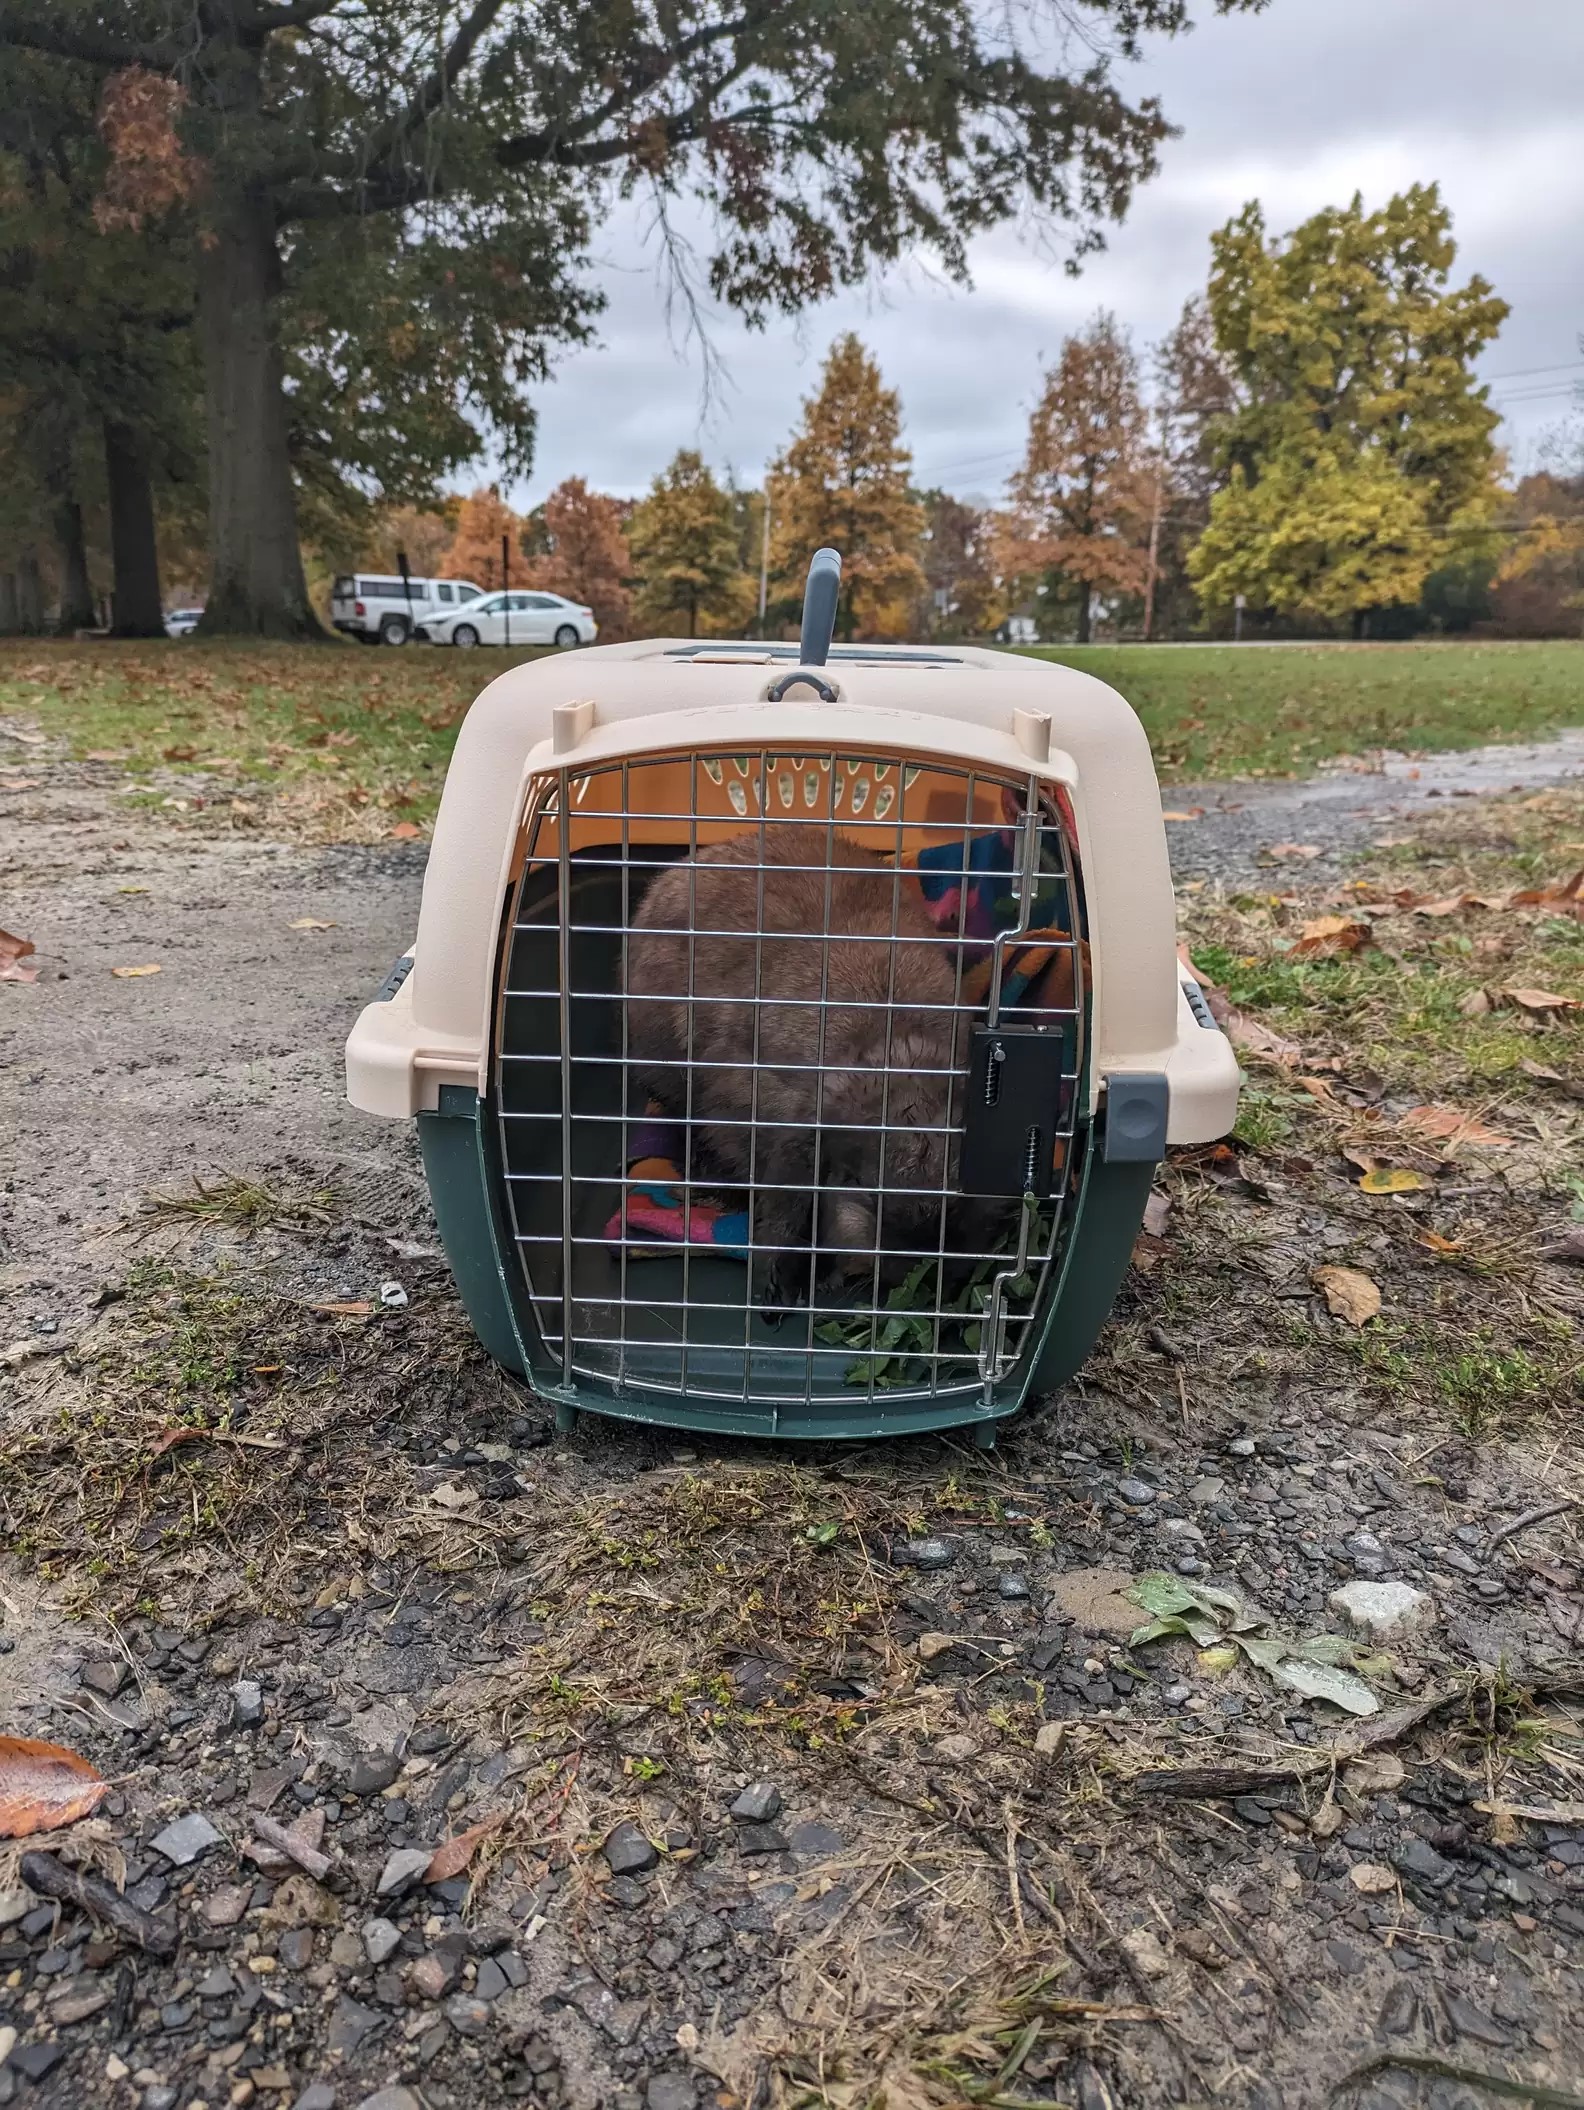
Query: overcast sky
x,y
1297,107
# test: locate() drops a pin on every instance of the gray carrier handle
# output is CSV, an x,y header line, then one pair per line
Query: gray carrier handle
x,y
821,598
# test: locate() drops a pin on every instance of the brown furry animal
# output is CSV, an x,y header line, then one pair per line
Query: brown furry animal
x,y
800,1212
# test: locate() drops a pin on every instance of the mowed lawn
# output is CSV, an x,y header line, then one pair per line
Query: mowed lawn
x,y
1281,710
348,743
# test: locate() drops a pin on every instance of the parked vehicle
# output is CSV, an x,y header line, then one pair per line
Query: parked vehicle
x,y
515,618
182,622
382,609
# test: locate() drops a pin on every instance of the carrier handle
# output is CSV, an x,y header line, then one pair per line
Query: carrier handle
x,y
821,595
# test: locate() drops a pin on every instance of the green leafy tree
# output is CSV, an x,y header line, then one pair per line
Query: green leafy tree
x,y
687,554
845,482
1079,505
469,147
1352,357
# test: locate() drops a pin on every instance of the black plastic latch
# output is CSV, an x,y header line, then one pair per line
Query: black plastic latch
x,y
1019,1099
1136,1105
393,981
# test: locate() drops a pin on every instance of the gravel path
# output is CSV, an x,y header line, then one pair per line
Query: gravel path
x,y
674,1920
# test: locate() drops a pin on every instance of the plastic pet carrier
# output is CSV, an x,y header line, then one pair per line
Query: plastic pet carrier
x,y
793,1033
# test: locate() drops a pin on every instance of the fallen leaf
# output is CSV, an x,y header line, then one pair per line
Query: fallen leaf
x,y
450,1496
1186,813
1541,1000
309,923
1301,850
43,1786
1392,1179
1156,1212
1254,1039
353,1308
1332,934
1476,1004
1349,1294
1445,1124
1448,905
405,832
1318,1088
1324,1681
106,754
451,1856
1374,1878
13,951
1184,959
132,974
1437,1244
182,753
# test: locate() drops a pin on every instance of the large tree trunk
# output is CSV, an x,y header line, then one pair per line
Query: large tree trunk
x,y
136,610
76,600
256,586
1083,611
30,593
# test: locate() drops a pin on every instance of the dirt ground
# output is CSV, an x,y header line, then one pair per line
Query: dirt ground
x,y
833,1778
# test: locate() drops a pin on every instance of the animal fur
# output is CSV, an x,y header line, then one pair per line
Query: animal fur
x,y
803,1214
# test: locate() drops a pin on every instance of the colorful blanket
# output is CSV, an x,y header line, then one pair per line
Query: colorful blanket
x,y
1036,974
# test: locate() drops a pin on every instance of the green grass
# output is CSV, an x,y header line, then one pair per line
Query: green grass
x,y
1229,710
351,745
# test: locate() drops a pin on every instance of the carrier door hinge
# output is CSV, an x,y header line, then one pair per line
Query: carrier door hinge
x,y
1136,1106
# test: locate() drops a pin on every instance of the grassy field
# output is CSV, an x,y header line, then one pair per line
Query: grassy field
x,y
350,745
1228,710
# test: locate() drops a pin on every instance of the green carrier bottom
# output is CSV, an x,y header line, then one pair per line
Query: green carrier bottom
x,y
461,1164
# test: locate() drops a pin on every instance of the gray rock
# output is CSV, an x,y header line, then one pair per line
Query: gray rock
x,y
105,1674
183,1841
491,1981
1384,1611
924,1553
371,1772
670,2091
319,2095
627,1851
161,2096
1242,1447
467,2016
1012,1585
36,2060
761,1839
812,1837
218,1985
350,2024
402,1869
433,1976
1137,1492
247,1703
1469,2021
381,1940
758,1803
393,2098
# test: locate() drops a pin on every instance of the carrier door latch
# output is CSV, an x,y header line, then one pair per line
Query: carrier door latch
x,y
1020,1084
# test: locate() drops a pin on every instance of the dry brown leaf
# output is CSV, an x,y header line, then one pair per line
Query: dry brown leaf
x,y
43,1786
1184,960
1332,934
1392,1179
1349,1294
1540,1000
1157,1212
1254,1039
1318,1088
1448,905
1299,850
1185,813
309,923
451,1856
1445,1124
132,974
182,753
353,1308
405,832
13,951
1437,1244
107,754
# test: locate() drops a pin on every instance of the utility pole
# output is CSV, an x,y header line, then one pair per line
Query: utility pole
x,y
764,561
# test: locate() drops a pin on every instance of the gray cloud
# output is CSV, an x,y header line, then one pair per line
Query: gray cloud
x,y
1298,107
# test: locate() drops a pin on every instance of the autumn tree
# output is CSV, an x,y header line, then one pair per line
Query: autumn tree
x,y
1194,396
1539,582
577,546
1079,505
472,148
1352,355
484,521
686,556
963,597
844,482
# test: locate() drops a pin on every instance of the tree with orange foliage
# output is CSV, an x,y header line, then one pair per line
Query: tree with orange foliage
x,y
843,482
1080,503
578,547
475,552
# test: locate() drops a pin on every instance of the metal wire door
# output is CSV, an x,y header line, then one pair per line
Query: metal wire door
x,y
732,1072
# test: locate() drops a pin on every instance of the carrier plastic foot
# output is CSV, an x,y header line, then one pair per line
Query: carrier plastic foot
x,y
566,1418
984,1435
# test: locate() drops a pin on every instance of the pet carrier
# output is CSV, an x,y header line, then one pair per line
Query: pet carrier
x,y
793,1033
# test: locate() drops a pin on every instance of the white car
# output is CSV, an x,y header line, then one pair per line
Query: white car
x,y
378,608
182,622
515,618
